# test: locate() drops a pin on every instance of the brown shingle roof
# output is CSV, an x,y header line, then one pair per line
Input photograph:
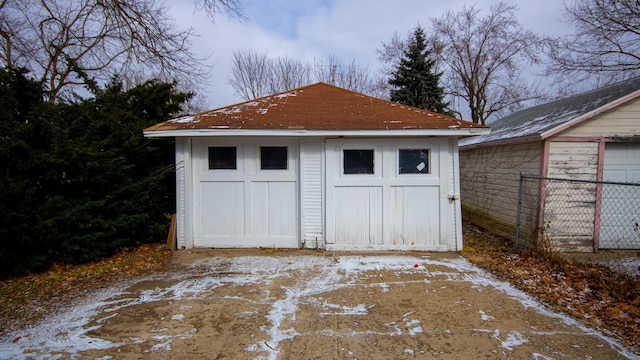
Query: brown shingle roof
x,y
316,107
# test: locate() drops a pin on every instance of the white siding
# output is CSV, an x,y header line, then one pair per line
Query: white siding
x,y
573,160
183,172
622,121
489,179
569,215
311,179
456,212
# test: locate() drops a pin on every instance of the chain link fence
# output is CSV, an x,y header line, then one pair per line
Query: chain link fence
x,y
586,220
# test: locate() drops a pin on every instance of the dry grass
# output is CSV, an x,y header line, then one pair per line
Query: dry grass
x,y
28,299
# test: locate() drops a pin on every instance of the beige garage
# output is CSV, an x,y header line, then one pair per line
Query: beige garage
x,y
592,137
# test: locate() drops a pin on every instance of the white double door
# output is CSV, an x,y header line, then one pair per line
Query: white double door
x,y
378,206
247,206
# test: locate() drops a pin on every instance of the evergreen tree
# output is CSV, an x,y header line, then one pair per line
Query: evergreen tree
x,y
78,180
414,81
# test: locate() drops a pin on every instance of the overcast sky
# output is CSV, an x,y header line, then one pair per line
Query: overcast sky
x,y
315,29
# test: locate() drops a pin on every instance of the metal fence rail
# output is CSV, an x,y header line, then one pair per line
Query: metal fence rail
x,y
566,215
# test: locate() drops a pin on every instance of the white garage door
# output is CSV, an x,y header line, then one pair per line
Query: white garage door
x,y
620,204
245,194
384,194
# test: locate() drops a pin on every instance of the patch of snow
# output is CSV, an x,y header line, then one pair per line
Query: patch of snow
x,y
485,317
101,320
629,266
161,346
65,332
178,317
409,351
396,331
288,94
537,356
413,326
513,339
184,120
360,309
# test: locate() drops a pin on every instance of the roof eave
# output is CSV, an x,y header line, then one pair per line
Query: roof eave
x,y
314,133
577,120
503,142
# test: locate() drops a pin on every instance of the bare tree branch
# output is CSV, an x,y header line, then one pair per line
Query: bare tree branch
x,y
605,42
101,38
255,74
216,7
482,58
250,74
350,76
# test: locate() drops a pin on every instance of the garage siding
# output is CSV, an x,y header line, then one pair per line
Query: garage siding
x,y
312,193
623,121
569,215
489,183
183,171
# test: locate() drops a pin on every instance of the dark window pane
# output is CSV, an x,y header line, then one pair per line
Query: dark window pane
x,y
414,161
273,157
358,161
222,157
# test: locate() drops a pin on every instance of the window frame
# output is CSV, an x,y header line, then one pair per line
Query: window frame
x,y
261,162
209,153
344,161
420,172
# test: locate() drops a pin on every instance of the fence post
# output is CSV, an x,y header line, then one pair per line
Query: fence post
x,y
518,213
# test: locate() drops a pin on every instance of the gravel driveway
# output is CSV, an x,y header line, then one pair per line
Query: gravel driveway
x,y
258,304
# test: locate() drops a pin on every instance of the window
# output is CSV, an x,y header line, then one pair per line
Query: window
x,y
413,161
358,161
273,157
222,158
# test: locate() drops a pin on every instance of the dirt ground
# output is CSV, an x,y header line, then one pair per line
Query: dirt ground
x,y
257,304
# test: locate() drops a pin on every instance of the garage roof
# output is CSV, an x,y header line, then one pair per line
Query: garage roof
x,y
314,108
542,121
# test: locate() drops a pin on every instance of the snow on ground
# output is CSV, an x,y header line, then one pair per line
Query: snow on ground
x,y
68,331
630,265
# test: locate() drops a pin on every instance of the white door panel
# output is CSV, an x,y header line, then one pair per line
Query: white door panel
x,y
358,215
222,205
620,204
247,206
416,215
387,209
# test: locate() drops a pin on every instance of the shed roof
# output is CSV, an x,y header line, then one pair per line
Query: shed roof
x,y
542,121
317,107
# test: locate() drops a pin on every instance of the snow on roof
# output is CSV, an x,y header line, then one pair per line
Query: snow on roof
x,y
539,119
316,107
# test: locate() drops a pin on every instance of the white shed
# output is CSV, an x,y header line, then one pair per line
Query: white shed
x,y
318,167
